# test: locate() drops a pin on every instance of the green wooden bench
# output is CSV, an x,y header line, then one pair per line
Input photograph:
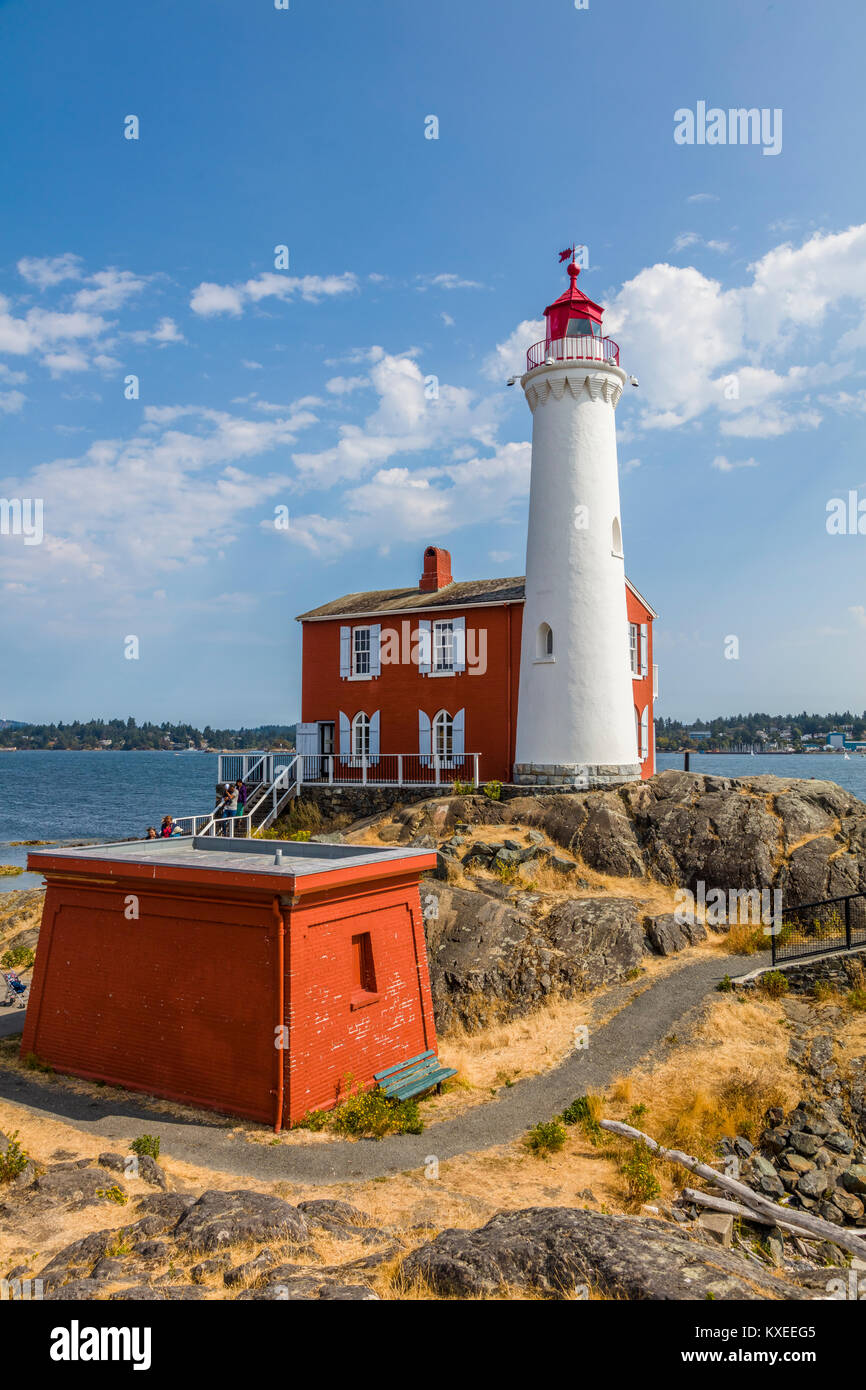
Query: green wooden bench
x,y
414,1076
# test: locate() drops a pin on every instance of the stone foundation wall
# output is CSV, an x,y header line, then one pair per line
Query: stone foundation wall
x,y
578,776
358,802
841,970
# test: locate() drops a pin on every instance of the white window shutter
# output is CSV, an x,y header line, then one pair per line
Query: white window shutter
x,y
643,649
425,648
345,651
637,734
345,735
459,644
375,641
644,733
425,737
307,739
457,733
374,737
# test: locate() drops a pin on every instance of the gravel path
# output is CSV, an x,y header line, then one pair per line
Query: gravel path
x,y
637,1031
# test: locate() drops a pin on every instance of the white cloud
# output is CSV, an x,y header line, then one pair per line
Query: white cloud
x,y
725,465
447,281
702,198
405,421
686,239
509,356
166,332
45,271
11,402
209,299
109,290
345,385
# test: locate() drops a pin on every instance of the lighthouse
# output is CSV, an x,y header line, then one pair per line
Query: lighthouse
x,y
575,719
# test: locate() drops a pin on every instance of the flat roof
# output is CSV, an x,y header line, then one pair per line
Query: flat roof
x,y
299,859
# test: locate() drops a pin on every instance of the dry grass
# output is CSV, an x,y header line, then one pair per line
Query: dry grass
x,y
721,1082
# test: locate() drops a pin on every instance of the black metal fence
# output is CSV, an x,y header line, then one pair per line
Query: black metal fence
x,y
836,924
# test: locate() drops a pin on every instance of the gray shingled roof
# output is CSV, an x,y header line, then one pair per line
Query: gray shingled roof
x,y
410,600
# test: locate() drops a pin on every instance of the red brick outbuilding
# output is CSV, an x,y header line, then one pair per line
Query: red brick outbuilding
x,y
209,973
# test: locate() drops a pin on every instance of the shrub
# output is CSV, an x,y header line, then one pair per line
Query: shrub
x,y
585,1112
725,985
146,1145
545,1138
18,957
773,984
493,790
822,990
300,835
301,815
636,1114
746,939
638,1168
507,873
461,788
113,1194
13,1161
375,1114
856,1000
33,1062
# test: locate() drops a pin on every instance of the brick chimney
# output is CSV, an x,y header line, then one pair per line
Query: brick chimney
x,y
437,570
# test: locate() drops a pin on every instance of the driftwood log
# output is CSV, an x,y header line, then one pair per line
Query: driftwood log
x,y
804,1223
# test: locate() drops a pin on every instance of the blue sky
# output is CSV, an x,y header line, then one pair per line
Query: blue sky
x,y
410,258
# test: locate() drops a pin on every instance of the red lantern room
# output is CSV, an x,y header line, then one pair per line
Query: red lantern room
x,y
574,330
573,315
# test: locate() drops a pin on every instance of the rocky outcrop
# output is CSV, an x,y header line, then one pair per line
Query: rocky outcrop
x,y
806,837
491,960
566,1254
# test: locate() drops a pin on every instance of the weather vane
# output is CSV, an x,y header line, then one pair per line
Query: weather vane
x,y
570,253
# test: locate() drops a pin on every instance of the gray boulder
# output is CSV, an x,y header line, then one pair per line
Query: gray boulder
x,y
563,1252
220,1219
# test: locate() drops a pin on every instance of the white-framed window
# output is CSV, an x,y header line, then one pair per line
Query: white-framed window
x,y
361,648
361,735
443,734
634,648
443,645
616,538
544,643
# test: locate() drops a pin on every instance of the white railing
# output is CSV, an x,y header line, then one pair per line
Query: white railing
x,y
584,348
388,769
209,823
255,767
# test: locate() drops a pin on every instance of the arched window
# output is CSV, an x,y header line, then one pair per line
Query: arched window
x,y
545,642
443,734
361,736
616,537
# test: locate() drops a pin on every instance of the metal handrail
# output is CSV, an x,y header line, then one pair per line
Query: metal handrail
x,y
584,348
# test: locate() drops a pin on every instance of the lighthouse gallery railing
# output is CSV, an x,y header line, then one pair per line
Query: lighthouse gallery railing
x,y
586,348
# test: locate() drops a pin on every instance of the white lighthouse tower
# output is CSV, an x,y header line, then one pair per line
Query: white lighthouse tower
x,y
575,719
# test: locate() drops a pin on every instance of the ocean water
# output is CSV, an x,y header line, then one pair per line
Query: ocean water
x,y
110,796
94,796
849,772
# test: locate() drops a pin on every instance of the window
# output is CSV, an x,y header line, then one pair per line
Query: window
x,y
361,736
544,645
443,734
634,648
443,646
581,328
363,973
361,651
640,755
616,537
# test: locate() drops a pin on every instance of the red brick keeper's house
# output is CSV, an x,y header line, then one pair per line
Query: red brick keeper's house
x,y
434,670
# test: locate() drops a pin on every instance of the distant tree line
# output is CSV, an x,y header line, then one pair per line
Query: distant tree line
x,y
770,730
127,734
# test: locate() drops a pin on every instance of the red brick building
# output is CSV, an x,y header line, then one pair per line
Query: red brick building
x,y
206,972
434,670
